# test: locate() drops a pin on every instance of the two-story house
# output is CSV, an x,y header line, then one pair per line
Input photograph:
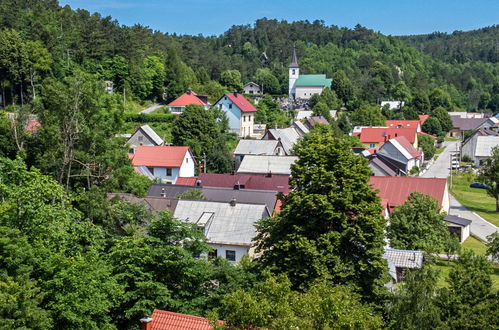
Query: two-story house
x,y
239,111
178,105
164,163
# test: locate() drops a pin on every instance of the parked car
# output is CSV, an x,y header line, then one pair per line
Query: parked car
x,y
479,185
455,164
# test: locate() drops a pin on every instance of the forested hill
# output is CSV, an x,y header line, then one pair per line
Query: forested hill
x,y
459,46
149,63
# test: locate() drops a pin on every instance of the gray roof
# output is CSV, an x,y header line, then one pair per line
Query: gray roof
x,y
301,128
376,161
218,194
289,136
304,114
294,60
465,124
404,258
222,222
256,147
484,145
151,203
266,164
152,134
457,220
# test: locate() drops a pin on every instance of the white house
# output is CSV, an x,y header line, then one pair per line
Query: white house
x,y
164,163
401,150
144,136
178,105
479,146
228,227
252,88
258,147
305,85
240,112
458,226
393,104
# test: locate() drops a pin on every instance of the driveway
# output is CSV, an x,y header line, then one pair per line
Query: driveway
x,y
151,108
441,169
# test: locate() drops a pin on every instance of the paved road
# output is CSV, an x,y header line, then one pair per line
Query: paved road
x,y
441,169
151,108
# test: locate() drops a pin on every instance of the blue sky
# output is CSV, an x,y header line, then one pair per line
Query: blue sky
x,y
213,17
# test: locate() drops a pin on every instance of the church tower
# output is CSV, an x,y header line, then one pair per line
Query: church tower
x,y
294,73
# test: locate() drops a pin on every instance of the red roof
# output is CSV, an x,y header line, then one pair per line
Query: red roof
x,y
423,133
32,126
163,320
190,181
159,156
246,181
240,101
407,146
423,118
188,98
383,134
402,123
396,189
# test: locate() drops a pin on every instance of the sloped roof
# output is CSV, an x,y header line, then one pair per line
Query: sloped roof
x,y
304,114
383,134
159,156
289,136
317,119
457,220
230,224
403,123
423,118
164,320
294,60
188,98
404,258
240,101
396,189
404,147
313,80
484,145
152,134
376,161
256,147
189,181
300,127
266,164
152,203
465,124
247,181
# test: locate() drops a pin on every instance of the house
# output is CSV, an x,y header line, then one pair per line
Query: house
x,y
375,137
288,136
164,163
458,226
396,189
178,105
305,85
400,261
228,227
240,112
404,124
151,203
311,121
143,136
479,146
252,88
462,114
218,194
383,167
300,128
423,118
278,183
259,130
401,150
164,320
305,114
258,147
393,105
267,165
460,124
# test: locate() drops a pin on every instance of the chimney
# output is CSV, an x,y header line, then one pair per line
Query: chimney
x,y
233,202
146,323
163,194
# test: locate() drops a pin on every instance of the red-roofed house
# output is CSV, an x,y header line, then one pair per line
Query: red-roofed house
x,y
245,181
401,150
164,163
375,137
164,320
396,189
423,118
178,105
239,111
404,124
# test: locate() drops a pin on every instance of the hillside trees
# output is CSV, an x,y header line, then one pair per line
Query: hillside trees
x,y
368,115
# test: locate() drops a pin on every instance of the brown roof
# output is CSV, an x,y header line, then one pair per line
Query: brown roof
x,y
150,203
246,181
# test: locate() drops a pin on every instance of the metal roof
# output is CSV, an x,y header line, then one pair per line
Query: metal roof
x,y
294,60
152,134
458,220
404,258
266,164
300,127
313,80
465,124
289,136
256,147
484,145
229,224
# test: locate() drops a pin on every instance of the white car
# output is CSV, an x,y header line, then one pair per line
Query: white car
x,y
455,164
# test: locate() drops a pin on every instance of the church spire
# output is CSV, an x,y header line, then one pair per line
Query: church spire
x,y
294,60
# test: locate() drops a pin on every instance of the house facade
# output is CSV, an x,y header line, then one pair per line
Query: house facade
x,y
402,151
240,112
178,105
144,136
252,88
479,146
375,137
258,147
164,163
304,86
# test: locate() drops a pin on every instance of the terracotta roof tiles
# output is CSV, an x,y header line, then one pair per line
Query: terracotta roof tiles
x,y
159,156
164,320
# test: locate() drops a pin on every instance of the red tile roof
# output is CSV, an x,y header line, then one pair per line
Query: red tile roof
x,y
164,320
249,181
423,133
402,123
383,134
423,118
186,99
396,189
186,181
407,146
159,156
240,101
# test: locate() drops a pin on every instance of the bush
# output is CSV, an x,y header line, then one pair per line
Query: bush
x,y
150,118
466,159
414,170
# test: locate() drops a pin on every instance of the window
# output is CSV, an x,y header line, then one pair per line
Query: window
x,y
230,106
230,255
293,71
212,254
186,160
140,138
249,118
372,145
225,98
168,172
151,169
244,118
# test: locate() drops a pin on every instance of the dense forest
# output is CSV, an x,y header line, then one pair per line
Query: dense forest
x,y
70,258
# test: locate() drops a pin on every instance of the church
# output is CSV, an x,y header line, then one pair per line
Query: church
x,y
303,86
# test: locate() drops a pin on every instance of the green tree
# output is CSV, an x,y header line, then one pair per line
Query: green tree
x,y
432,126
493,246
427,143
232,79
489,174
267,81
343,86
421,102
418,224
330,98
368,115
192,194
331,223
443,117
270,114
440,98
38,60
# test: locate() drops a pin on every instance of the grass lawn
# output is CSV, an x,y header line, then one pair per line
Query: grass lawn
x,y
474,199
477,246
451,139
446,266
440,150
164,130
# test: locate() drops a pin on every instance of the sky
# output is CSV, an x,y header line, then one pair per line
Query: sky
x,y
213,17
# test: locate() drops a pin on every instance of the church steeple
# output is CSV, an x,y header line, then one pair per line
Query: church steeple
x,y
294,60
